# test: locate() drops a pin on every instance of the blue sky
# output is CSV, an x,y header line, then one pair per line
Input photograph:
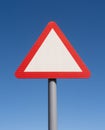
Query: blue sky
x,y
23,102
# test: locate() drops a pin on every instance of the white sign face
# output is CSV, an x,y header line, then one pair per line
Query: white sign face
x,y
53,56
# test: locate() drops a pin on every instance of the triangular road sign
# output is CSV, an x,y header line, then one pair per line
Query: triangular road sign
x,y
52,56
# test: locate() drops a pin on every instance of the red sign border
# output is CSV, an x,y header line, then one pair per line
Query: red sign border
x,y
52,25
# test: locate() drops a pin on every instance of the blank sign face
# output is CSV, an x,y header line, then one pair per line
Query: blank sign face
x,y
53,56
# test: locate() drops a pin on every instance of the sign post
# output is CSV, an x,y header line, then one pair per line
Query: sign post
x,y
52,104
52,56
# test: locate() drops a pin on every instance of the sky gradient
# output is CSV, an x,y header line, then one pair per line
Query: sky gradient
x,y
24,102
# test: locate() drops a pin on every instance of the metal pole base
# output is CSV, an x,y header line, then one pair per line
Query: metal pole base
x,y
52,105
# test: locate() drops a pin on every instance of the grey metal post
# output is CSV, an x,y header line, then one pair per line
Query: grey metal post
x,y
52,105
